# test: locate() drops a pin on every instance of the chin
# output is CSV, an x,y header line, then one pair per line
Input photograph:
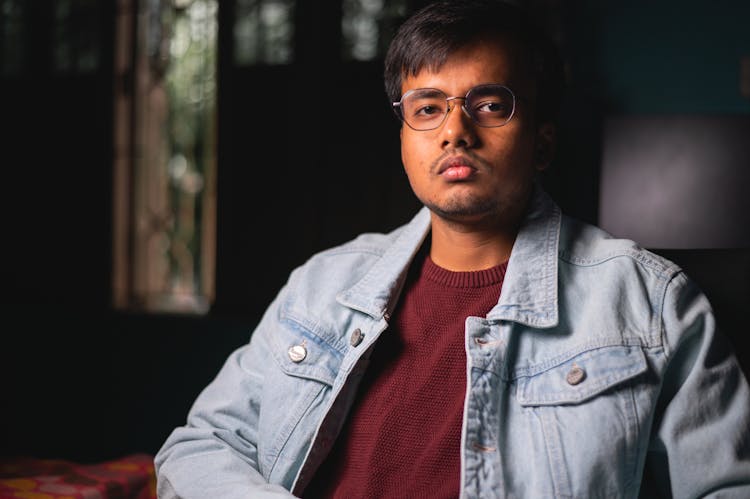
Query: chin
x,y
469,211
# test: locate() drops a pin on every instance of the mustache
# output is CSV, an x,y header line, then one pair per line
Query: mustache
x,y
452,158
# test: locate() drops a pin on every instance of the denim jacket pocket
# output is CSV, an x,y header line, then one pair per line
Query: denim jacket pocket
x,y
302,354
581,377
294,397
582,409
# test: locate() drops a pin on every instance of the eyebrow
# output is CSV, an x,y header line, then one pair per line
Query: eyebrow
x,y
428,92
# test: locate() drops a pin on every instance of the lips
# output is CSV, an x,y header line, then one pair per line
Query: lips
x,y
456,168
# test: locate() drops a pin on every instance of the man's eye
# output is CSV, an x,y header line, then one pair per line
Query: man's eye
x,y
427,110
491,107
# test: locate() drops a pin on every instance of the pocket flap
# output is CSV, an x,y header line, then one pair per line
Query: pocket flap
x,y
582,377
301,353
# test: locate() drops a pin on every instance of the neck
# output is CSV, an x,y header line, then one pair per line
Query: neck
x,y
460,248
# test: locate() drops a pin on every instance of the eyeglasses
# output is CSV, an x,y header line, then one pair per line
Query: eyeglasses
x,y
426,108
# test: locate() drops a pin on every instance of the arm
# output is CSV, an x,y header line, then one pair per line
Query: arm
x,y
701,439
216,454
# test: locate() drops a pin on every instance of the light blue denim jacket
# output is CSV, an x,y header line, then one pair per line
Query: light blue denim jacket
x,y
598,374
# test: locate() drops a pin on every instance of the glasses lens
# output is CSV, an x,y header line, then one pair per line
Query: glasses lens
x,y
490,105
424,109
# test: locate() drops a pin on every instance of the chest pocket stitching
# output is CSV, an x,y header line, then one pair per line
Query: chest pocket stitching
x,y
313,329
321,363
605,368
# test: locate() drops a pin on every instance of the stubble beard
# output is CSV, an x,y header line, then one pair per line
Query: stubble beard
x,y
485,211
462,208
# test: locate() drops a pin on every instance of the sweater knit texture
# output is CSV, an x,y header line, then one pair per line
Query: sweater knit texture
x,y
403,434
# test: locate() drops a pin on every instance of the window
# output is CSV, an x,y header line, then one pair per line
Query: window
x,y
367,27
263,32
75,35
165,107
13,33
165,98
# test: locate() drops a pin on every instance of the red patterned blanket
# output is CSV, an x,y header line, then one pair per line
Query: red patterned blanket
x,y
129,477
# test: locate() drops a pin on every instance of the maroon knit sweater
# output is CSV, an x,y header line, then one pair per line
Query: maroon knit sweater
x,y
402,438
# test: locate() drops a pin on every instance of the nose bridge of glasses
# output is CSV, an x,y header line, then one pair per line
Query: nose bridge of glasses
x,y
450,107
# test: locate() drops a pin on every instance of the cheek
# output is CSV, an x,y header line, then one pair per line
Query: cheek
x,y
516,150
411,153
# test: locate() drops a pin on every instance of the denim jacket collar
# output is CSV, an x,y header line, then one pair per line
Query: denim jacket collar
x,y
377,292
529,293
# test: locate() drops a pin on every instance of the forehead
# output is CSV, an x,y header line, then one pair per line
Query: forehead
x,y
487,60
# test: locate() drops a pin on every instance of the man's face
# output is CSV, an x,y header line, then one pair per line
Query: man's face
x,y
466,173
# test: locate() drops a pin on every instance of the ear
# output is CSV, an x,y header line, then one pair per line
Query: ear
x,y
544,146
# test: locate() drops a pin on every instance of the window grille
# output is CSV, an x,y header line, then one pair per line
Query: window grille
x,y
367,27
263,32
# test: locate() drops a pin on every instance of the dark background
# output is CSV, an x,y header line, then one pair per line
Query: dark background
x,y
82,381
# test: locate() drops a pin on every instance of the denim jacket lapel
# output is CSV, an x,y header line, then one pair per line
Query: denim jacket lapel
x,y
529,294
377,292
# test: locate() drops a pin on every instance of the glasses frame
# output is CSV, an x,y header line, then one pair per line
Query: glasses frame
x,y
400,113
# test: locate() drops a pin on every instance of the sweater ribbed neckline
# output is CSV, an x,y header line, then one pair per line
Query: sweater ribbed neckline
x,y
468,279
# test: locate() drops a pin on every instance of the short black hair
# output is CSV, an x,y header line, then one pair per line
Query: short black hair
x,y
433,33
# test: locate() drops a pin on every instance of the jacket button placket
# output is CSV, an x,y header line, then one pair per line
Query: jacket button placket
x,y
483,473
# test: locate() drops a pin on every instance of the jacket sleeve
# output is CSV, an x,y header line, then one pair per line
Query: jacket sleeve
x,y
215,454
701,436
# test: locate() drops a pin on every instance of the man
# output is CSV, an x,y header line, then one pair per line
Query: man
x,y
489,348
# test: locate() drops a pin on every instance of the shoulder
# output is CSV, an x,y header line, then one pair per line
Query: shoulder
x,y
348,261
644,296
620,273
369,265
583,244
330,291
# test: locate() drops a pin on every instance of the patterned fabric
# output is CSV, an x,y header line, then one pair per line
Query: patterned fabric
x,y
129,477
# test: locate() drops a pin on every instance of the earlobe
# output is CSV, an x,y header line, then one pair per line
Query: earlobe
x,y
544,148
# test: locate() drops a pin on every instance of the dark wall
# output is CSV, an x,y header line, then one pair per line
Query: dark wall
x,y
640,57
84,382
293,183
88,384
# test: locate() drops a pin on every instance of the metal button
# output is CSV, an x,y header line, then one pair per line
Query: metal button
x,y
356,337
575,375
297,353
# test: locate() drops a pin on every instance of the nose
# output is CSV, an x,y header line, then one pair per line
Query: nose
x,y
458,129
